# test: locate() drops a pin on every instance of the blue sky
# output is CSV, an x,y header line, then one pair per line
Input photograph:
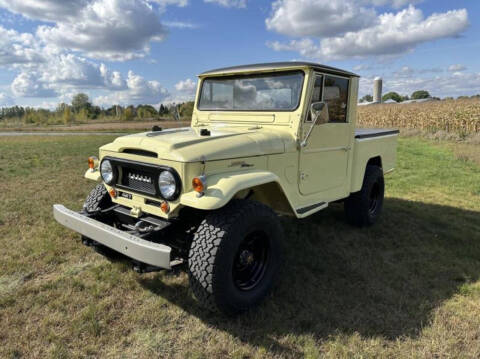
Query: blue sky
x,y
150,51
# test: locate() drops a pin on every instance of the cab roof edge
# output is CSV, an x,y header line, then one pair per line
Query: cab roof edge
x,y
277,66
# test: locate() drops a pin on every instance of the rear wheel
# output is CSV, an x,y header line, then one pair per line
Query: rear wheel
x,y
235,256
364,207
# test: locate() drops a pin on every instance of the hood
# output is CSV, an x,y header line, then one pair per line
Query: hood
x,y
187,145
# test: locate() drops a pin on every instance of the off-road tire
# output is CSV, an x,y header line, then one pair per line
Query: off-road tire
x,y
359,208
216,247
97,200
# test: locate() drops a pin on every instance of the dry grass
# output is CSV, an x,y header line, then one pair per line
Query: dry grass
x,y
459,116
408,287
101,126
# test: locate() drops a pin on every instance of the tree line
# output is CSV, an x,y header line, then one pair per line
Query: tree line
x,y
417,95
81,110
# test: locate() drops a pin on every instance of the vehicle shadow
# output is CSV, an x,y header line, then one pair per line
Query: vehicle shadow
x,y
380,281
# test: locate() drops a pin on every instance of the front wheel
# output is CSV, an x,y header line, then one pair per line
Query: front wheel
x,y
364,207
235,256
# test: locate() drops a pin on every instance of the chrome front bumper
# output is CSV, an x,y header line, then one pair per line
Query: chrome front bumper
x,y
151,253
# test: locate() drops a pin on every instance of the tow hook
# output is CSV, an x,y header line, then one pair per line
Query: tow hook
x,y
87,242
145,268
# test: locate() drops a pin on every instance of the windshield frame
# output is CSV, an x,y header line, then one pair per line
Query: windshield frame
x,y
252,75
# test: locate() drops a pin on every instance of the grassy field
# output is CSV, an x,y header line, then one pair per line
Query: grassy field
x,y
408,287
99,126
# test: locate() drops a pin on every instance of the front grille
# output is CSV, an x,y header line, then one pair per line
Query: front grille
x,y
138,180
141,177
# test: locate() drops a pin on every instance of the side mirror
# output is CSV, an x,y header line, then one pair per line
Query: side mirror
x,y
319,112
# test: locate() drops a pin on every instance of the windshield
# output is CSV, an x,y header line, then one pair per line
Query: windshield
x,y
265,92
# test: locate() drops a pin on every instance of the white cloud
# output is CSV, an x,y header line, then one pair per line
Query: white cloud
x,y
185,91
180,24
186,86
229,3
137,91
107,29
65,73
27,85
405,71
456,68
318,17
46,10
396,33
5,100
18,48
179,3
395,3
393,34
361,67
305,47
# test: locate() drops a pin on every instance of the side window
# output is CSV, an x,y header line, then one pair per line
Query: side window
x,y
317,93
336,97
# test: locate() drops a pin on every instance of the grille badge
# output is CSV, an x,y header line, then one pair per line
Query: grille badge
x,y
140,178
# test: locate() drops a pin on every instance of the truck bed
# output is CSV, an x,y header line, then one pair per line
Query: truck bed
x,y
361,133
373,143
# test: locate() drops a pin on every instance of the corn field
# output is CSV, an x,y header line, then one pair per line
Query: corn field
x,y
460,116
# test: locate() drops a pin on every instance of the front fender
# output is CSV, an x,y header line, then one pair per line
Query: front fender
x,y
222,187
93,175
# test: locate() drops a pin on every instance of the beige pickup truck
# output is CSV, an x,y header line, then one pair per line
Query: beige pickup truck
x,y
265,140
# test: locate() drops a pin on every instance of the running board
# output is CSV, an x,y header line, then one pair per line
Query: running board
x,y
311,208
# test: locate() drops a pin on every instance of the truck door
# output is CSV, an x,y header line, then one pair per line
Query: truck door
x,y
324,158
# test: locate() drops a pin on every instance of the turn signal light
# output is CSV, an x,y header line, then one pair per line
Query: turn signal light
x,y
198,184
113,193
165,207
92,162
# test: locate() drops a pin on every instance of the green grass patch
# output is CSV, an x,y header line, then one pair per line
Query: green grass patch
x,y
407,287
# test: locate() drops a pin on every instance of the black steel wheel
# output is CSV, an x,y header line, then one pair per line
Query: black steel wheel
x,y
251,261
235,256
364,207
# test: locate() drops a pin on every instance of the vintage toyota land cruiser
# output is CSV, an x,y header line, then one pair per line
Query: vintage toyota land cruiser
x,y
265,139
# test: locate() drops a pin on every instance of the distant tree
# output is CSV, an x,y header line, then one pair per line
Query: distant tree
x,y
80,101
448,99
186,109
114,111
418,95
82,115
128,114
405,98
392,96
95,112
146,111
367,98
173,109
67,115
163,110
462,97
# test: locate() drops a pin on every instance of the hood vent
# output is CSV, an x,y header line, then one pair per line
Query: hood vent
x,y
144,153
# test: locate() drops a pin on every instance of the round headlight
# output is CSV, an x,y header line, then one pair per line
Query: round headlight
x,y
106,170
167,185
